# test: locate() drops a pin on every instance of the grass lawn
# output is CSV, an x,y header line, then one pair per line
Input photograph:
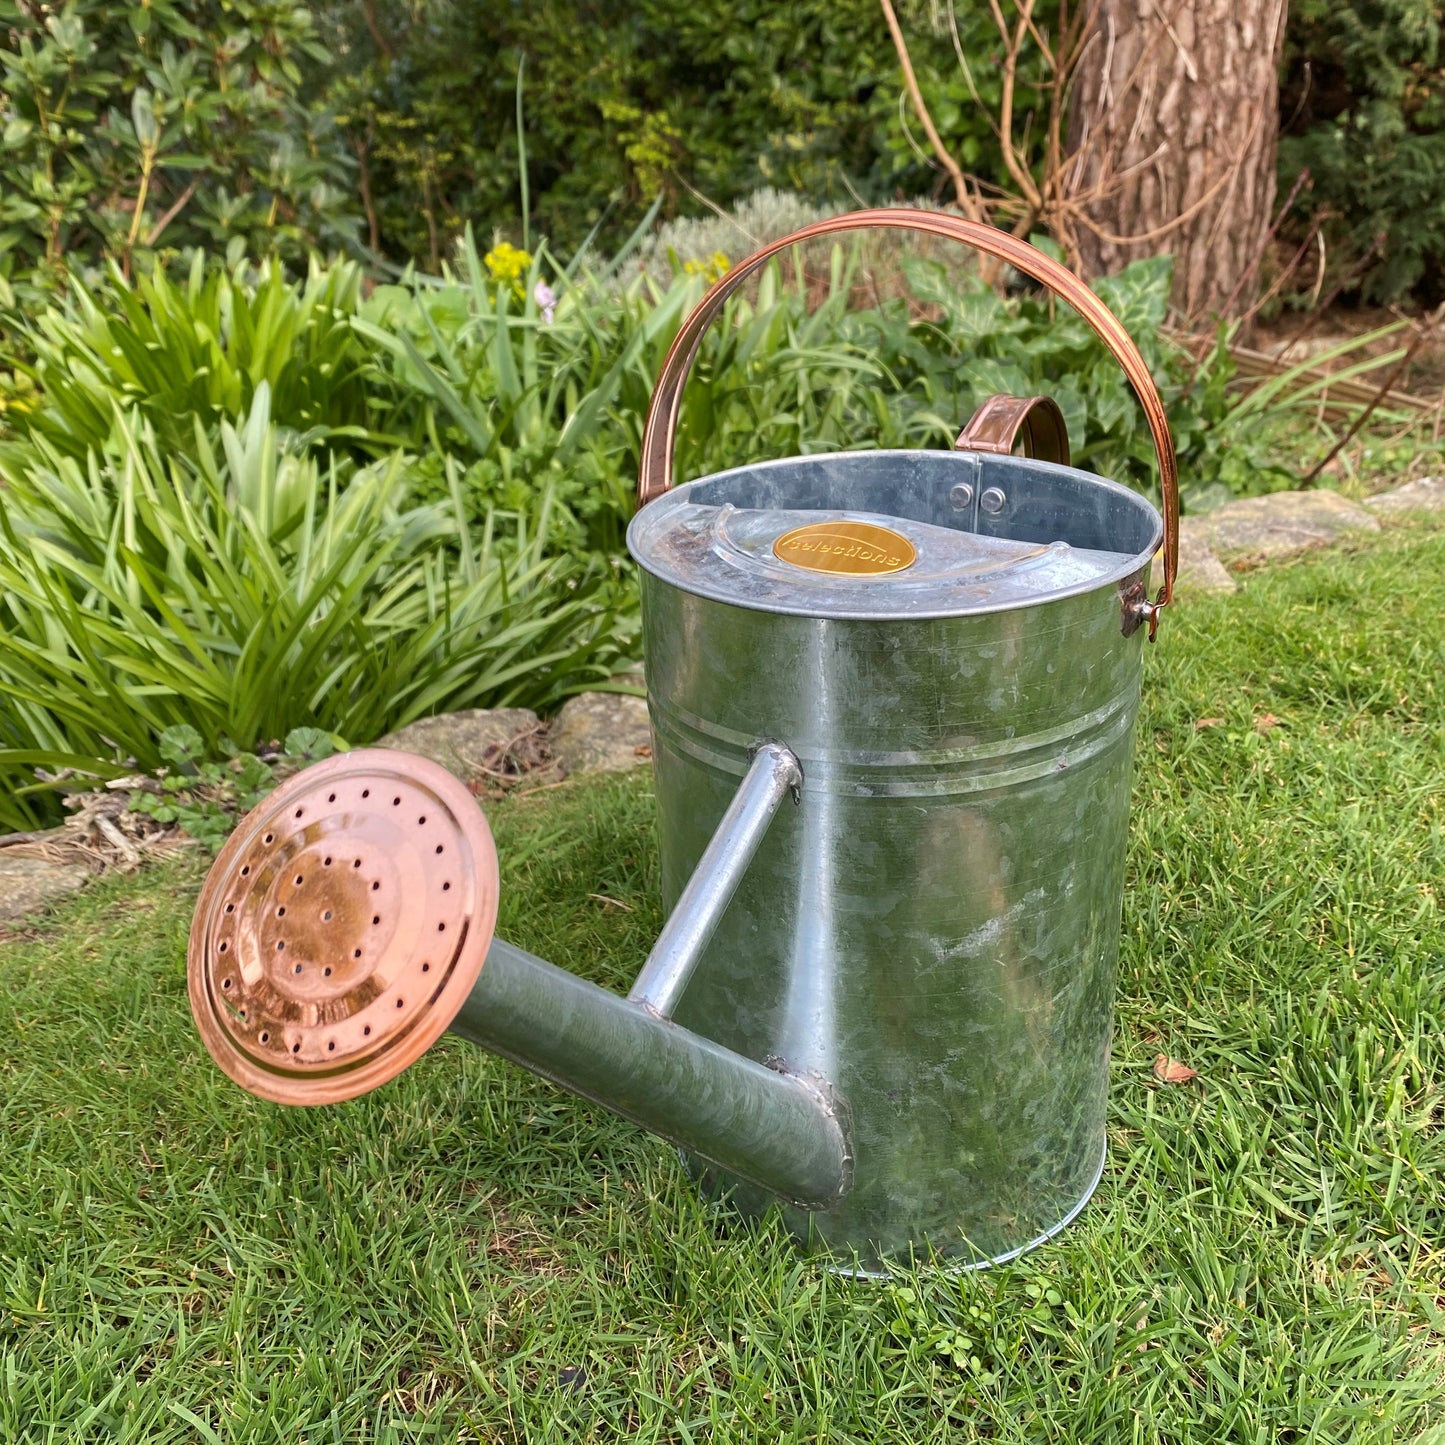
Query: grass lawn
x,y
469,1255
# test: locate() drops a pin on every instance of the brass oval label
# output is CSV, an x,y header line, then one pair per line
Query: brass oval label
x,y
858,549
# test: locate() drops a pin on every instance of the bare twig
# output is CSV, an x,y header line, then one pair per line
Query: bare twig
x,y
174,210
11,840
966,200
378,35
1249,271
363,149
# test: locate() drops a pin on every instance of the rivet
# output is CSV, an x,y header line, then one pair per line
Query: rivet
x,y
993,501
961,496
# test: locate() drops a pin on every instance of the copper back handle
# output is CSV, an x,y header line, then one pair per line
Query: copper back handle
x,y
1000,421
655,474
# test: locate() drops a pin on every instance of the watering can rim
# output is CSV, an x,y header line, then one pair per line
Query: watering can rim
x,y
648,517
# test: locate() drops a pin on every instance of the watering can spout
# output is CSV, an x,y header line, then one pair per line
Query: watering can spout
x,y
348,923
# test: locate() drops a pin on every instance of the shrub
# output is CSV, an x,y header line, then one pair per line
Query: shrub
x,y
1364,93
624,102
133,128
199,351
172,554
260,588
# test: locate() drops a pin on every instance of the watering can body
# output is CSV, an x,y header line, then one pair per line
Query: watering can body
x,y
933,925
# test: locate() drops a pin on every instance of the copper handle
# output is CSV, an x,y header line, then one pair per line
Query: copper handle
x,y
655,474
998,423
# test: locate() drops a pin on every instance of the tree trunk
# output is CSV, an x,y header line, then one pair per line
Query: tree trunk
x,y
1172,136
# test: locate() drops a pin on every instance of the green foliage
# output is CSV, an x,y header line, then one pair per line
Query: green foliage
x,y
258,588
206,798
798,366
627,101
198,351
1364,93
129,128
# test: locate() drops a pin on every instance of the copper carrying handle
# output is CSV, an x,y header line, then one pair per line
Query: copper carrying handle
x,y
1003,420
655,475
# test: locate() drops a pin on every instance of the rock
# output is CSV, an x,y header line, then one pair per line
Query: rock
x,y
1268,529
29,884
473,745
1199,569
1425,494
602,732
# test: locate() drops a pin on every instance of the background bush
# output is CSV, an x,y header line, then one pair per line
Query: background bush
x,y
133,128
627,101
1364,104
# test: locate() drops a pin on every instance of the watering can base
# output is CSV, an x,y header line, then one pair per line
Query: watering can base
x,y
860,1258
342,926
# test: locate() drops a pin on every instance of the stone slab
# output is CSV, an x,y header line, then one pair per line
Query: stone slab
x,y
29,884
1199,569
602,732
1281,525
465,743
1424,494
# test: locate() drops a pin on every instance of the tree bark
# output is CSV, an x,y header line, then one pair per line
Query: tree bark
x,y
1172,135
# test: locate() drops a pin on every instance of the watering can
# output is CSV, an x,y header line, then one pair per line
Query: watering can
x,y
892,697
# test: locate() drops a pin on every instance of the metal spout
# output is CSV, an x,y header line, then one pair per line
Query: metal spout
x,y
348,923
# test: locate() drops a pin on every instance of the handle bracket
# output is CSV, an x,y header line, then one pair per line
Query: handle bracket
x,y
1003,419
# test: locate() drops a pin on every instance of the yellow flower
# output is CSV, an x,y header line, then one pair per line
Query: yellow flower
x,y
508,265
716,266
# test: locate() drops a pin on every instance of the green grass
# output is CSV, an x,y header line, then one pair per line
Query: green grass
x,y
1263,1262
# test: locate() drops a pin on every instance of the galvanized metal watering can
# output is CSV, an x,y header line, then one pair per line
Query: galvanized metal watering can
x,y
892,698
